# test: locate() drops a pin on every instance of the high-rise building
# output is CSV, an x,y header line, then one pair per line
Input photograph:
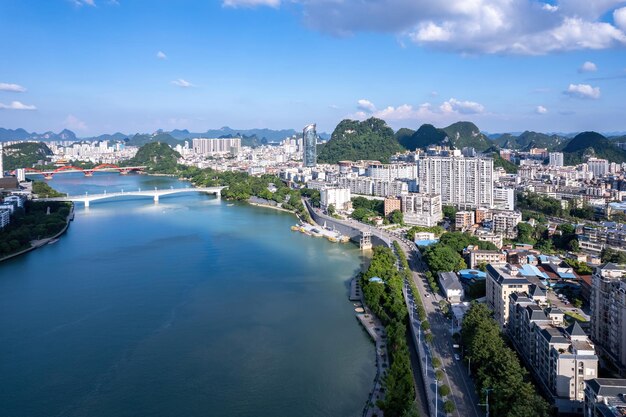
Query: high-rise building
x,y
464,182
599,167
556,159
608,312
421,209
216,146
1,161
309,138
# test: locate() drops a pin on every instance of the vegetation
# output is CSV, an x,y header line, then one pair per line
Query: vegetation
x,y
25,155
459,135
387,302
364,209
612,255
528,140
497,367
499,161
42,189
33,223
531,203
352,140
157,157
588,144
396,217
437,230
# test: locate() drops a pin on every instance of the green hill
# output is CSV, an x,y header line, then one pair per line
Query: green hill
x,y
423,137
458,135
142,139
25,155
462,134
528,140
403,135
592,144
353,140
158,157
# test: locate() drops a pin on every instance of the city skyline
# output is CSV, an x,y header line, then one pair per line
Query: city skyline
x,y
198,65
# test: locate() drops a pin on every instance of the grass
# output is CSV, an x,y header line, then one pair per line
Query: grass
x,y
575,316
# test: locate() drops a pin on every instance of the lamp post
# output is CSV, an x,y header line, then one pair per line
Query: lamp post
x,y
487,391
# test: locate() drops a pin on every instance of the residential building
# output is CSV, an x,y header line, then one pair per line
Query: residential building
x,y
421,209
464,219
475,257
599,167
451,287
392,204
338,197
1,162
608,313
605,397
5,218
487,236
556,159
482,214
309,139
505,223
465,182
502,281
561,358
204,146
504,198
389,172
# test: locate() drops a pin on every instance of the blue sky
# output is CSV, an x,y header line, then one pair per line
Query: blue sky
x,y
98,66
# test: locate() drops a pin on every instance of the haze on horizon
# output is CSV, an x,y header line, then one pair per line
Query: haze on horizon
x,y
96,66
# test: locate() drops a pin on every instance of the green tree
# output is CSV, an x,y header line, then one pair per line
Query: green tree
x,y
330,209
396,217
449,407
444,390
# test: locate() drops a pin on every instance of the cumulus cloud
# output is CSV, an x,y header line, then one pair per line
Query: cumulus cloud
x,y
250,3
365,106
13,88
582,91
541,110
588,66
17,105
464,107
527,27
619,17
182,83
74,123
161,55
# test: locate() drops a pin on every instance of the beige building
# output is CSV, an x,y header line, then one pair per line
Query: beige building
x,y
475,257
608,312
464,219
561,358
391,205
421,209
502,281
505,223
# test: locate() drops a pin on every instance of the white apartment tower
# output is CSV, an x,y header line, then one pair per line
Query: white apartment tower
x,y
461,181
556,159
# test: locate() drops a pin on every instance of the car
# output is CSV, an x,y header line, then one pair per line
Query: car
x,y
427,295
457,357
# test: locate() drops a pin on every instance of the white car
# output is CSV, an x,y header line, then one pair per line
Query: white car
x,y
427,295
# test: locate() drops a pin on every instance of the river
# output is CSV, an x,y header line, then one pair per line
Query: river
x,y
189,307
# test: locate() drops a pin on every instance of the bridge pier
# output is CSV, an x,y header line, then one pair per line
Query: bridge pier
x,y
156,199
86,203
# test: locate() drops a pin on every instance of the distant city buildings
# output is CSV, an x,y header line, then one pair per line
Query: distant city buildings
x,y
205,146
309,139
555,159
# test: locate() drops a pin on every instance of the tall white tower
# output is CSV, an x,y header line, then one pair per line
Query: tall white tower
x,y
1,164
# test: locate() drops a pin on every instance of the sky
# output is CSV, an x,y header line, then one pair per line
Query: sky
x,y
102,66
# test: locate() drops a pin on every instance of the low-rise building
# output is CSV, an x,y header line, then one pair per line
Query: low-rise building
x,y
451,286
505,223
475,257
464,219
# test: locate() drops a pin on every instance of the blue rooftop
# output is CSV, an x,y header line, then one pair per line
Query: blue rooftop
x,y
532,271
472,274
566,275
376,279
426,242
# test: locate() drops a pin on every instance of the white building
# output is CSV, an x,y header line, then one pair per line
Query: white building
x,y
556,159
389,172
421,209
205,146
338,197
504,198
505,222
599,167
461,181
5,218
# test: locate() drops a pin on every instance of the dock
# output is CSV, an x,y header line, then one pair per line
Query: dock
x,y
355,290
318,231
376,330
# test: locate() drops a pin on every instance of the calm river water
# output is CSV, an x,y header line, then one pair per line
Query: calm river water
x,y
192,307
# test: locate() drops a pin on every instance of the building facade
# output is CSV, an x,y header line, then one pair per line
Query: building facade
x,y
464,182
338,197
205,146
421,209
608,312
309,140
502,281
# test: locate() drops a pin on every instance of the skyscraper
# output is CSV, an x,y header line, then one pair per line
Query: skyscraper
x,y
309,139
1,164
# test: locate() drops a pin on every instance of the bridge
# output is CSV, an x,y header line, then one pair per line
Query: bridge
x,y
87,198
87,171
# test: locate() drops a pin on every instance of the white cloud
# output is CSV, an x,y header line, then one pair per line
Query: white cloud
x,y
182,83
588,66
524,27
250,3
464,107
161,55
366,106
91,3
619,17
17,105
74,123
541,110
13,88
582,91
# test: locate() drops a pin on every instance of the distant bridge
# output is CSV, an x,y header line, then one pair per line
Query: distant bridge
x,y
155,194
87,171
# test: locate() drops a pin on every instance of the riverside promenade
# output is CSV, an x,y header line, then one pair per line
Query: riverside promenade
x,y
376,330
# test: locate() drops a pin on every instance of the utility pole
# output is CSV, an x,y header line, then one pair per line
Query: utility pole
x,y
487,391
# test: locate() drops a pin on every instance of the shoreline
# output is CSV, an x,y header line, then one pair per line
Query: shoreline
x,y
42,242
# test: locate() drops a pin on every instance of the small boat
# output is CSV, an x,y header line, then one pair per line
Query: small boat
x,y
229,204
53,241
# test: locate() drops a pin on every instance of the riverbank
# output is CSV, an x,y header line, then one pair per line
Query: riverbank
x,y
35,244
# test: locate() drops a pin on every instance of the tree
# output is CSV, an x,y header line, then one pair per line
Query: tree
x,y
525,233
444,390
396,217
449,407
330,209
439,374
436,362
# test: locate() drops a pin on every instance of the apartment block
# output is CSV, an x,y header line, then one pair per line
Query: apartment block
x,y
464,219
561,358
204,146
475,257
391,205
505,223
605,397
465,182
608,313
421,209
502,281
